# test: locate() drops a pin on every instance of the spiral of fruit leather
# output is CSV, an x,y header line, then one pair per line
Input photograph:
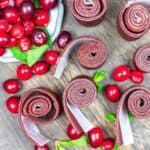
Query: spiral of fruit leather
x,y
88,12
39,106
92,53
80,92
142,58
133,20
136,100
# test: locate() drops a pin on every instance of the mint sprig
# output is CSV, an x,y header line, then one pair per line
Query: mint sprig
x,y
99,76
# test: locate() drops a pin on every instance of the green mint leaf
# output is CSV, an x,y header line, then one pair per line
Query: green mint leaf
x,y
18,54
36,3
30,57
99,76
59,147
110,117
116,148
35,54
99,87
81,142
130,116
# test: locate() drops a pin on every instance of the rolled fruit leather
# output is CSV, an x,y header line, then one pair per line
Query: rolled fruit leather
x,y
136,100
91,54
134,19
38,106
80,92
88,12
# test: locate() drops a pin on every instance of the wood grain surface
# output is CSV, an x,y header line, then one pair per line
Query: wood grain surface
x,y
120,52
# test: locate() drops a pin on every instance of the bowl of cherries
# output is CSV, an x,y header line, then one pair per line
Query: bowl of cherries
x,y
28,28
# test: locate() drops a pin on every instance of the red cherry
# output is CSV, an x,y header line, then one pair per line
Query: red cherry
x,y
42,17
137,77
48,4
40,68
6,3
24,44
112,92
51,57
11,86
121,73
108,144
72,133
4,39
2,51
24,72
63,39
12,104
45,147
4,26
29,27
11,14
95,136
17,31
19,2
12,42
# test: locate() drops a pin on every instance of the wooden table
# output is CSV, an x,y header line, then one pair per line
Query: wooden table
x,y
120,52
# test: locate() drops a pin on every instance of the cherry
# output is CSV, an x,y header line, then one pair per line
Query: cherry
x,y
24,44
137,77
95,136
40,68
45,147
2,51
29,27
19,2
6,3
63,39
108,144
17,31
12,104
4,39
72,133
51,57
42,17
11,14
24,72
121,73
4,26
12,42
26,10
39,37
112,92
48,4
11,86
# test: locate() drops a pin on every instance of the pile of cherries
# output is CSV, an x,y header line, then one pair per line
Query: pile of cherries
x,y
22,24
120,74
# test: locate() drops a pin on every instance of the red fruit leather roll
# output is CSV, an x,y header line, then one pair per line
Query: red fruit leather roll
x,y
133,21
142,58
39,106
88,12
92,53
80,92
136,100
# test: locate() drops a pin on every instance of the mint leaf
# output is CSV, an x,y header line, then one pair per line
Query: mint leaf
x,y
110,117
36,3
116,148
99,87
81,142
18,54
99,76
130,116
35,54
30,57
